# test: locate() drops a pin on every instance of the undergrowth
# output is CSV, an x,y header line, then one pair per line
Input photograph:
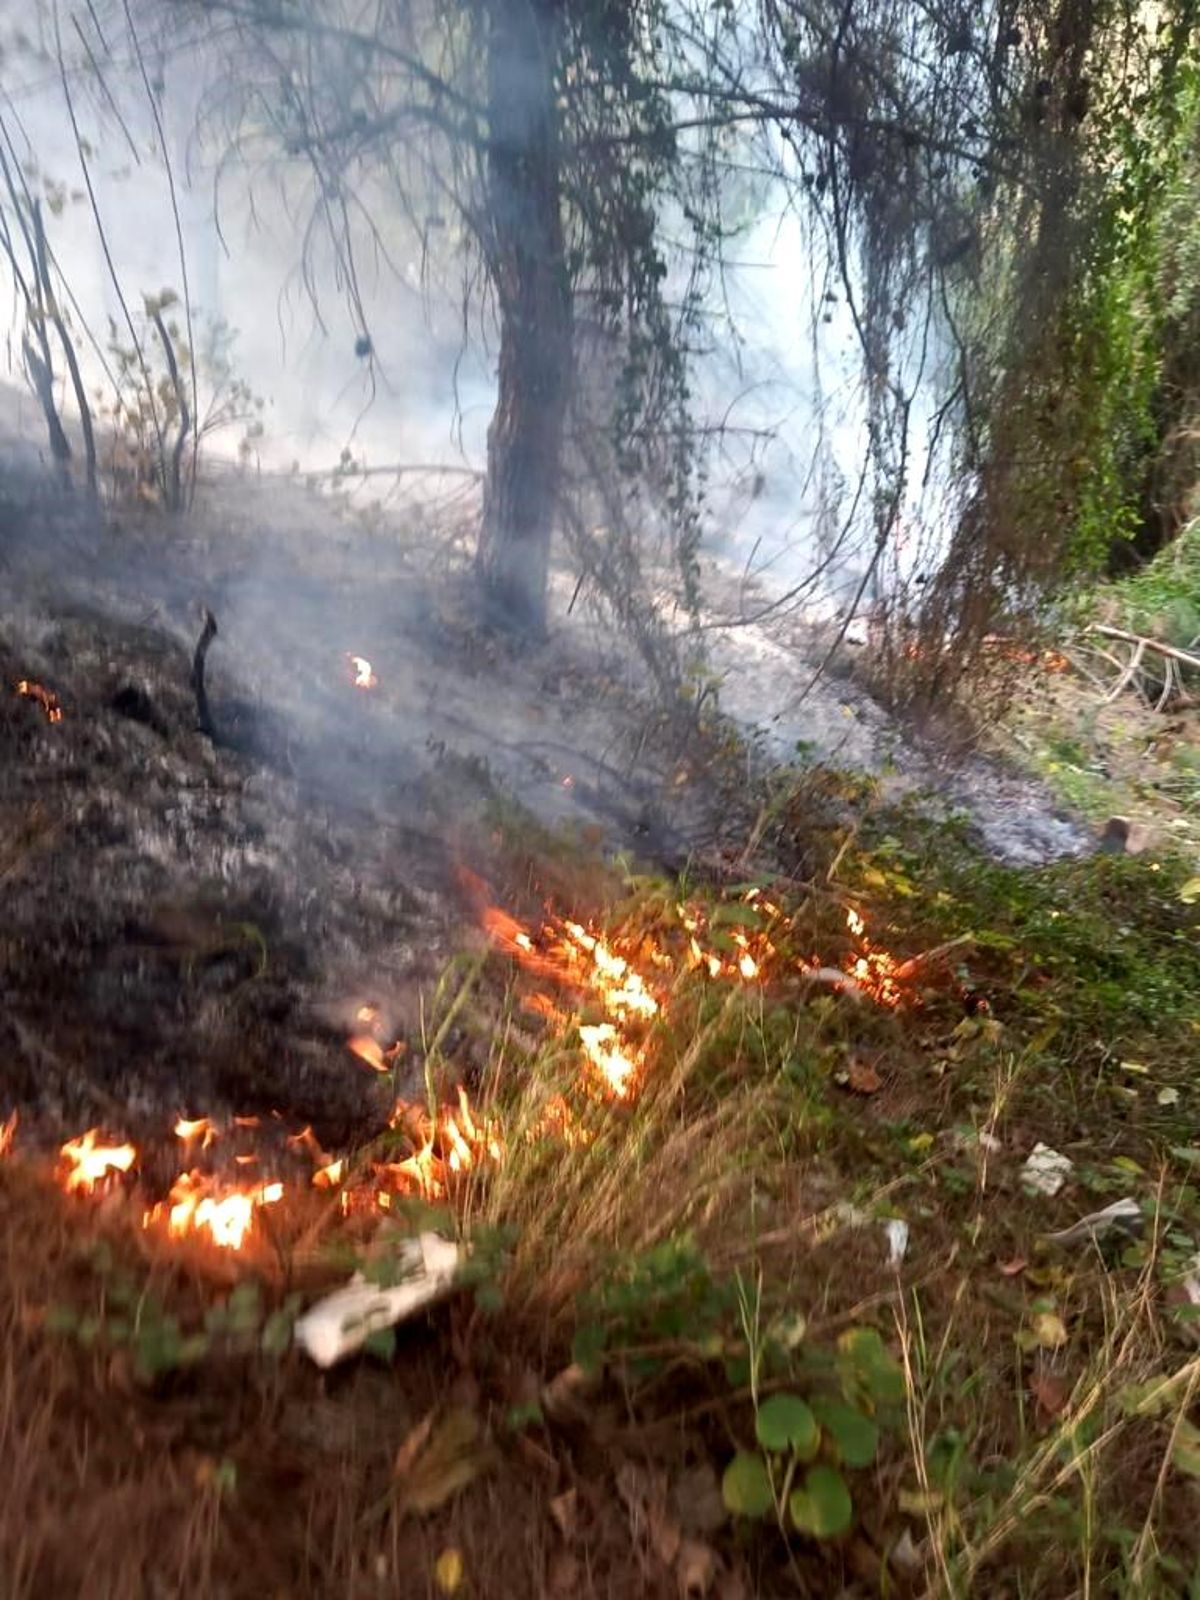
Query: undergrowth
x,y
803,1265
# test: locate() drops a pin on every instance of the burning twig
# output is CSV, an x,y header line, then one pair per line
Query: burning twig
x,y
203,713
46,698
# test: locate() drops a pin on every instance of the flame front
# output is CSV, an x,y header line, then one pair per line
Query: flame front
x,y
88,1162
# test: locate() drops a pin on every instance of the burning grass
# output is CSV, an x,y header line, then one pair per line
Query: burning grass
x,y
692,1119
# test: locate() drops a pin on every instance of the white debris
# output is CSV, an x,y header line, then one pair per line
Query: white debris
x,y
1191,1282
897,1238
343,1322
1045,1171
1124,1214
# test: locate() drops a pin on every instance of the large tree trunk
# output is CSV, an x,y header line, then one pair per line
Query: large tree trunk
x,y
528,264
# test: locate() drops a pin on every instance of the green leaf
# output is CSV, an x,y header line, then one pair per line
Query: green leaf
x,y
381,1344
1185,1454
823,1507
61,1319
746,1486
855,1436
1190,892
867,1359
277,1333
784,1422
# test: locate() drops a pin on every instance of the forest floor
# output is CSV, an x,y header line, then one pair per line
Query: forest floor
x,y
761,1295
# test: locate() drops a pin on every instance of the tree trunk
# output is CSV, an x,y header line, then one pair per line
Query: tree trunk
x,y
528,265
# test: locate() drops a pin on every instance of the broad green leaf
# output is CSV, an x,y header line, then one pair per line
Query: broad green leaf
x,y
746,1486
823,1507
854,1435
870,1362
784,1422
1190,892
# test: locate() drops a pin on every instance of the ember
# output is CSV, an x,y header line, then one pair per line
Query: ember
x,y
87,1162
46,698
364,676
877,973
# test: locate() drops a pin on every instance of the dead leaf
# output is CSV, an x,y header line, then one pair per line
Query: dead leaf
x,y
448,1571
563,1574
697,1501
1050,1330
413,1445
920,1502
564,1508
1012,1269
695,1568
453,1455
665,1537
1051,1391
563,1395
862,1078
732,1586
905,1556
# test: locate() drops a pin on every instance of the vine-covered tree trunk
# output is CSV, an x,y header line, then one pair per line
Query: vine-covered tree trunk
x,y
528,264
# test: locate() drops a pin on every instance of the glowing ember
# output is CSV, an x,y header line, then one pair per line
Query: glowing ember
x,y
46,698
200,1205
876,972
370,1051
364,676
201,1128
88,1161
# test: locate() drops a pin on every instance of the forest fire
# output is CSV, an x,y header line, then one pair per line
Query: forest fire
x,y
364,674
87,1162
610,991
41,696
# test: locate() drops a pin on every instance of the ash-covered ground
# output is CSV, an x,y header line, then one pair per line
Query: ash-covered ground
x,y
192,924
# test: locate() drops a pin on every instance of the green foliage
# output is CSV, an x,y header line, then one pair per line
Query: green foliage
x,y
746,1486
665,1296
129,1316
822,1508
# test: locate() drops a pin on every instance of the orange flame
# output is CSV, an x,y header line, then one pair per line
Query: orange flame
x,y
201,1128
200,1205
8,1134
88,1162
364,676
878,973
330,1175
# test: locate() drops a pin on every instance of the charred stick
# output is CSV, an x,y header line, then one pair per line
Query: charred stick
x,y
203,714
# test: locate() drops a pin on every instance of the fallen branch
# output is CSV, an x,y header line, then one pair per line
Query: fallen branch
x,y
1172,652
